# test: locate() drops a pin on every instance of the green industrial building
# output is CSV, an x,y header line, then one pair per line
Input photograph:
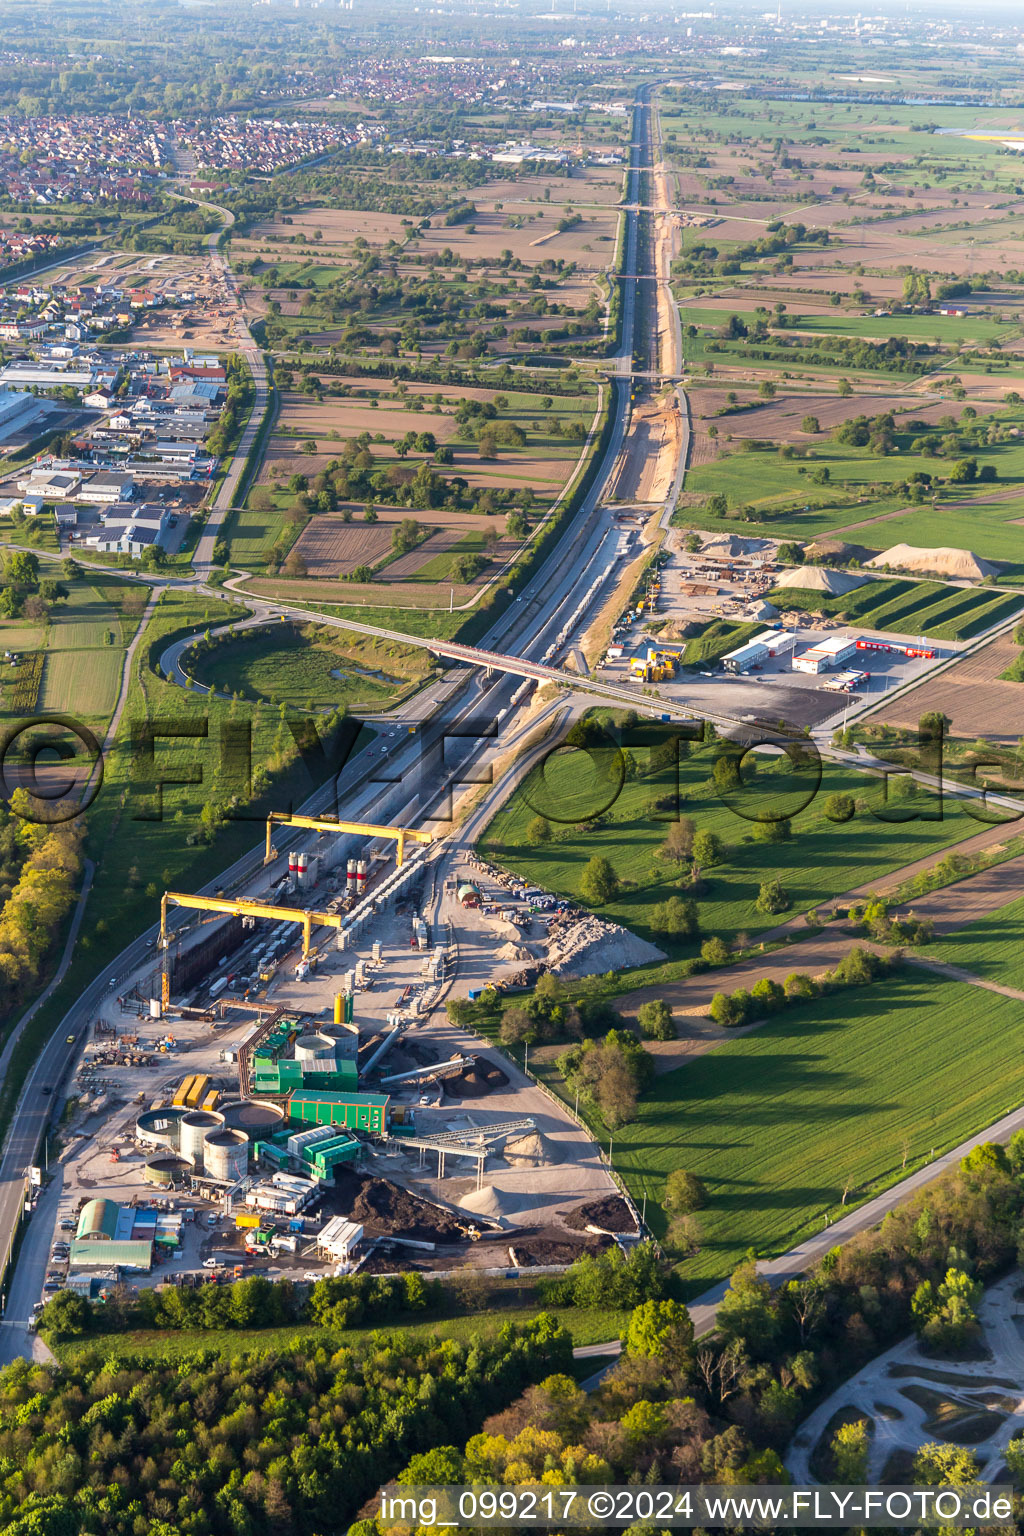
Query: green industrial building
x,y
296,1054
356,1111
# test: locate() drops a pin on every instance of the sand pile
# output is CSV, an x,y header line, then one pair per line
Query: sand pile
x,y
942,561
817,578
531,1151
611,1214
475,1081
492,1202
586,946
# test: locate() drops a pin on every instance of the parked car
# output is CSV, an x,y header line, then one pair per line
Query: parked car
x,y
211,1263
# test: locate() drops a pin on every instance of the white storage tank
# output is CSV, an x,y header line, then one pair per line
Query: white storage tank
x,y
193,1130
313,1047
226,1156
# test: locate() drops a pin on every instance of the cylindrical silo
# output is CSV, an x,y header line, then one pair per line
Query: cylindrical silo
x,y
350,878
303,870
360,877
312,1048
165,1171
193,1131
226,1156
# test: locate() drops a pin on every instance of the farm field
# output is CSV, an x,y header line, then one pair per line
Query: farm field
x,y
973,327
821,860
473,492
971,694
907,607
993,947
847,1093
783,503
81,682
72,664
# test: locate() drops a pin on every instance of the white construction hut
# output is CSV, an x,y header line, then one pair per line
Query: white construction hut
x,y
339,1238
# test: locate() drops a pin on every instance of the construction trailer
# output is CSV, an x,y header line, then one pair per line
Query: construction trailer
x,y
355,1111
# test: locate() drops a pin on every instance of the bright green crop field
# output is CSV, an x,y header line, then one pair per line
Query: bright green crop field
x,y
993,947
834,1095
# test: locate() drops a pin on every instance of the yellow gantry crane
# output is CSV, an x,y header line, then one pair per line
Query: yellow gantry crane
x,y
330,824
238,907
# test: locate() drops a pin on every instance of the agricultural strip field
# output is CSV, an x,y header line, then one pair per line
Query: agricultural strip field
x,y
81,682
820,861
993,947
847,1093
907,607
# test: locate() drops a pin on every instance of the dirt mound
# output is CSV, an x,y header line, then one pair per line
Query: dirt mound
x,y
476,1081
531,1151
942,561
680,629
837,551
611,1214
818,578
550,1245
384,1208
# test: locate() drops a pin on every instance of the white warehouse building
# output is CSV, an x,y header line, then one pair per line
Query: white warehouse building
x,y
772,643
827,654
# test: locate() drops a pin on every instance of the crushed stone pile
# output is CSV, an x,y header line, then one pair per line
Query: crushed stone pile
x,y
941,561
586,946
611,1214
533,1150
818,578
476,1081
512,951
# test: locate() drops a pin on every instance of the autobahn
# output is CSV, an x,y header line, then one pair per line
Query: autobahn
x,y
444,747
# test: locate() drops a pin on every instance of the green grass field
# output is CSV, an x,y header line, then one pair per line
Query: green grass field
x,y
832,1096
973,328
820,861
286,668
907,607
993,947
588,1325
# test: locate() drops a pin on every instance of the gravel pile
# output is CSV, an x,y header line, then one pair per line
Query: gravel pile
x,y
475,1081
